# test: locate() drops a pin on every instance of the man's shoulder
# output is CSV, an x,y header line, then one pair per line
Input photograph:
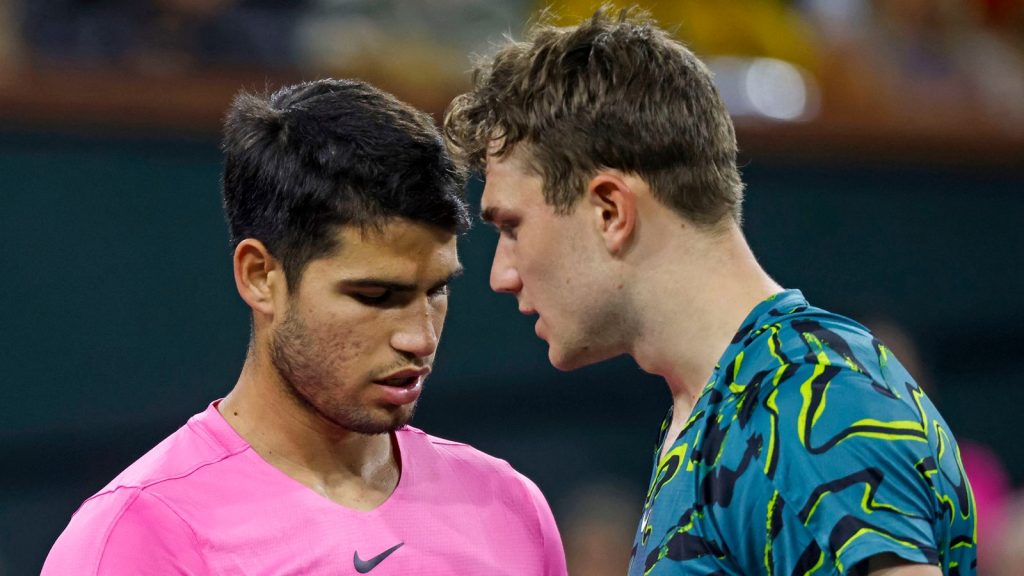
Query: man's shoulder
x,y
176,458
829,398
457,453
140,510
810,347
811,335
823,378
461,459
129,527
132,513
448,469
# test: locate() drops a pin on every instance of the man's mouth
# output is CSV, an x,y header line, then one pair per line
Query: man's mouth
x,y
399,382
404,378
403,387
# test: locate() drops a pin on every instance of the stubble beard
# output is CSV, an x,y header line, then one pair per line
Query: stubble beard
x,y
300,360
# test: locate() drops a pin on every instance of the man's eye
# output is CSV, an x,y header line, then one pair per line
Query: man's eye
x,y
442,290
508,230
373,297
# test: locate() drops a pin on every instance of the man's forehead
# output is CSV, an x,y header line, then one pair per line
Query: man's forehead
x,y
506,181
494,164
497,201
391,264
397,237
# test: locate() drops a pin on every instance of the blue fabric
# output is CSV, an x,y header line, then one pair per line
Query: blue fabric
x,y
810,449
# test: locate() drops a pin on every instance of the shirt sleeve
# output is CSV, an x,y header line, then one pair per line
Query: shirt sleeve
x,y
851,470
554,553
125,532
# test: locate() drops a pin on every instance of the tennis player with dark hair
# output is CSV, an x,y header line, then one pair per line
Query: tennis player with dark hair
x,y
344,208
796,443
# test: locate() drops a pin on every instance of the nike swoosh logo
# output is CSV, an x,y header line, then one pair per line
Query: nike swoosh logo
x,y
364,566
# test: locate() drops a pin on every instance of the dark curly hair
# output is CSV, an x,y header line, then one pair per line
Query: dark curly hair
x,y
318,155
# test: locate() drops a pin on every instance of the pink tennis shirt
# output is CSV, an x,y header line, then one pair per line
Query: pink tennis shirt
x,y
203,502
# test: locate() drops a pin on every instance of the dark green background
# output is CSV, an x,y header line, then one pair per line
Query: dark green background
x,y
119,316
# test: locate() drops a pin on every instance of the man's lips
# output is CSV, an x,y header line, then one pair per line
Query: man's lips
x,y
402,387
403,378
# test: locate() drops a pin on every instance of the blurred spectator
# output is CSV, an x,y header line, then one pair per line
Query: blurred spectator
x,y
940,48
155,36
10,39
921,62
1004,18
767,28
926,61
990,483
848,77
763,53
408,37
1009,560
598,526
420,44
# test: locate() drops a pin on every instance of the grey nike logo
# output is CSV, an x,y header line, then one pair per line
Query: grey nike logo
x,y
364,566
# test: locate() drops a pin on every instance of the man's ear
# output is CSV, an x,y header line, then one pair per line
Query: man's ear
x,y
613,204
258,275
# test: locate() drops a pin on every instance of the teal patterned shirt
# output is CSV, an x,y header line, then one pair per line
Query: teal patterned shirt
x,y
810,450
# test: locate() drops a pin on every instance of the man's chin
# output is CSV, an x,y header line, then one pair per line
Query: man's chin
x,y
371,429
400,419
376,425
568,360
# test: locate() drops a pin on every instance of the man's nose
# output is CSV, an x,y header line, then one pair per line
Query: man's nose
x,y
504,274
419,333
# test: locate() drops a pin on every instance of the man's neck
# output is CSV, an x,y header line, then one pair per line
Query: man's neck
x,y
356,470
692,304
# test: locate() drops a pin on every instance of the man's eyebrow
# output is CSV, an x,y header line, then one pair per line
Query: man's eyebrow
x,y
397,286
378,283
454,274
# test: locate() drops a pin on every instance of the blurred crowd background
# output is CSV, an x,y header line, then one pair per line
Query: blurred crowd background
x,y
882,142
